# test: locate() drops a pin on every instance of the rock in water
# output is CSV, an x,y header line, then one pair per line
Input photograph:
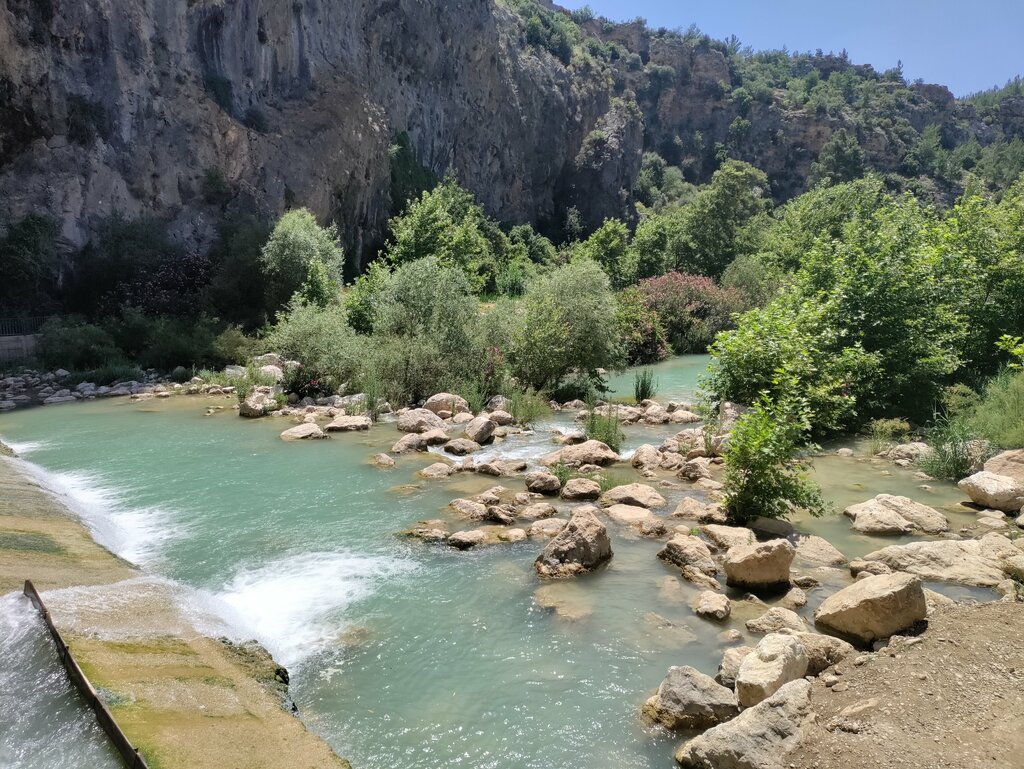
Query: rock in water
x,y
303,432
888,514
419,421
687,550
480,430
1000,492
759,738
688,699
775,620
983,562
712,604
581,490
454,404
775,661
258,403
873,608
542,483
586,453
759,566
581,546
635,494
345,424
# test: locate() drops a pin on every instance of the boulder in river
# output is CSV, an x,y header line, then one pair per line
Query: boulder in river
x,y
636,494
436,471
586,453
873,608
687,550
888,514
304,432
460,447
419,421
542,483
646,457
775,620
775,661
480,429
408,444
759,566
758,738
453,404
581,490
983,562
711,604
688,699
345,424
725,537
818,550
258,403
1000,492
823,651
581,546
729,667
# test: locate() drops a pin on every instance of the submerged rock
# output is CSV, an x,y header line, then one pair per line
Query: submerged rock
x,y
581,546
888,514
873,608
688,699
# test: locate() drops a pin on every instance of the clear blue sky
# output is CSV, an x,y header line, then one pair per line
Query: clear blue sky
x,y
967,46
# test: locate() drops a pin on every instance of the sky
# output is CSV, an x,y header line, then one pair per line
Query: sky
x,y
967,46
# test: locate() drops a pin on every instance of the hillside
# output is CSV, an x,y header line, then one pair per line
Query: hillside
x,y
191,111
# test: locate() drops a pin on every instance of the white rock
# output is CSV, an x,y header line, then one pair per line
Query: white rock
x,y
775,661
873,608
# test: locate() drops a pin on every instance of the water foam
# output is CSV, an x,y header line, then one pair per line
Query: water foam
x,y
137,534
293,605
23,448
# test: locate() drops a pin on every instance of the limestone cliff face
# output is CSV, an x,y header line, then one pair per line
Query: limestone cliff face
x,y
123,105
128,105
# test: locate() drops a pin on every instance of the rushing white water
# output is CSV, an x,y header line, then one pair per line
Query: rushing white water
x,y
44,724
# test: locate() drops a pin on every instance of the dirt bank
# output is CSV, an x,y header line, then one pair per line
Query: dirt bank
x,y
953,697
186,700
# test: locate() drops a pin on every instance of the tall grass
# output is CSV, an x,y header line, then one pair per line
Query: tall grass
x,y
109,374
999,414
604,427
645,386
527,406
955,449
474,395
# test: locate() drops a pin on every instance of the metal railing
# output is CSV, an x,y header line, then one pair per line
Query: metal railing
x,y
22,326
132,758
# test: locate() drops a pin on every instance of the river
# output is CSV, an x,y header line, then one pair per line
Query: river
x,y
401,654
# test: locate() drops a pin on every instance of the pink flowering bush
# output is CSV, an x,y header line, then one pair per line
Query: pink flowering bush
x,y
692,308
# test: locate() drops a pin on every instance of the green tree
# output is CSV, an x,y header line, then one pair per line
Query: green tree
x,y
30,267
608,246
568,325
840,160
295,245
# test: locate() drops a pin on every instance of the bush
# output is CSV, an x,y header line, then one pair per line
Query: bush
x,y
998,416
320,339
640,329
73,344
307,382
232,346
569,325
884,433
691,308
106,375
763,476
954,448
645,386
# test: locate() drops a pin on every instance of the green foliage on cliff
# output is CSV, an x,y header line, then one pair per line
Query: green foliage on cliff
x,y
301,257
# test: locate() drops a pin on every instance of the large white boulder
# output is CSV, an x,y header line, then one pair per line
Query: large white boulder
x,y
480,429
687,550
586,453
775,661
983,562
637,494
760,565
1000,492
888,514
873,608
419,421
453,404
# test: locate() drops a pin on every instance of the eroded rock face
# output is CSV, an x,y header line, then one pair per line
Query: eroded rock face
x,y
581,546
688,699
759,738
875,607
759,566
775,661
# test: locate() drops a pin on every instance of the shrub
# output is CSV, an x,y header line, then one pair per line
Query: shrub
x,y
609,247
232,346
216,188
691,308
474,394
884,433
307,382
604,427
219,89
999,414
763,476
562,472
569,324
645,386
954,448
320,339
256,120
640,329
72,343
106,375
527,406
252,379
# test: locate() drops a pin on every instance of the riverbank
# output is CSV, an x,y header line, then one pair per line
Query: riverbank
x,y
185,699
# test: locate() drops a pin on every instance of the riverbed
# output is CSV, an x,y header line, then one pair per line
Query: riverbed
x,y
401,654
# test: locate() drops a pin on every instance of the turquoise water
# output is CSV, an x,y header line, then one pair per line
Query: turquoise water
x,y
401,654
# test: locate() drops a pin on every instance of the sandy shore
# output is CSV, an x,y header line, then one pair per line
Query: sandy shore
x,y
187,700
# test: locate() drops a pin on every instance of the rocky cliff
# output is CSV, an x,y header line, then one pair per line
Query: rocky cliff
x,y
134,105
